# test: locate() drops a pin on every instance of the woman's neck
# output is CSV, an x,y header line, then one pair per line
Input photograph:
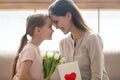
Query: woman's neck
x,y
77,34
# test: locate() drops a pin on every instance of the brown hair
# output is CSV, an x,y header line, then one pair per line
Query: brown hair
x,y
56,8
35,20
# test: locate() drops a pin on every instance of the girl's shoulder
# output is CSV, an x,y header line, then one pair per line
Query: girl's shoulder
x,y
30,48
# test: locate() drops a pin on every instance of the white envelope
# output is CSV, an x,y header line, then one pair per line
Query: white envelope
x,y
69,70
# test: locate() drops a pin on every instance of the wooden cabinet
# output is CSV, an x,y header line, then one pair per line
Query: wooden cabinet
x,y
24,1
43,4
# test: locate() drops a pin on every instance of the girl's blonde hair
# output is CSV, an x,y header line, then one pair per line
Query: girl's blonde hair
x,y
35,20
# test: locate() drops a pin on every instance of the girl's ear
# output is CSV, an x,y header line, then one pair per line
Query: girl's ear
x,y
37,29
69,15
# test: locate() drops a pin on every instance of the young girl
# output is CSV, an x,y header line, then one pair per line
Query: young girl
x,y
82,45
28,61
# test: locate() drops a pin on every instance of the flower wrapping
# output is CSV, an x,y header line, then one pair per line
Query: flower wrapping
x,y
50,62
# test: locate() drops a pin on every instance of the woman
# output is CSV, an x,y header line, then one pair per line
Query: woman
x,y
82,45
28,61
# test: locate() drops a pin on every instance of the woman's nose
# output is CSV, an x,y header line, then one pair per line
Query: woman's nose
x,y
56,25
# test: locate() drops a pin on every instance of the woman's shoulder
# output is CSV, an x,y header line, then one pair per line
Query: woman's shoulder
x,y
92,35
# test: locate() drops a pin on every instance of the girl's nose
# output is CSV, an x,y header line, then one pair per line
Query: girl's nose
x,y
52,30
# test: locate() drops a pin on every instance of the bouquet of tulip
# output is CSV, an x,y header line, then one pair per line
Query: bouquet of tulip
x,y
50,62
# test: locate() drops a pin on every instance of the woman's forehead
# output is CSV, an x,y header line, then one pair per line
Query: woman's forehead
x,y
53,17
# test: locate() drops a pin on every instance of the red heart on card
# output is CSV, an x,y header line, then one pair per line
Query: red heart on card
x,y
71,76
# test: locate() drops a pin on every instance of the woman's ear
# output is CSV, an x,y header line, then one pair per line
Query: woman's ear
x,y
69,15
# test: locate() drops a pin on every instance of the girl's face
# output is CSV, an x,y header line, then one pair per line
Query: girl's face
x,y
62,22
46,31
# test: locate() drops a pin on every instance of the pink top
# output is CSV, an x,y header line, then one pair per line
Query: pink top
x,y
31,52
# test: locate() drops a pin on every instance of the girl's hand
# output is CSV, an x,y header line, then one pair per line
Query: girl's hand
x,y
47,79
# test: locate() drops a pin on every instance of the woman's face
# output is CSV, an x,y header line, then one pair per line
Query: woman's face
x,y
62,22
46,31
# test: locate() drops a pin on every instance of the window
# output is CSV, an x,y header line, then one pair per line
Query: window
x,y
110,29
12,27
13,24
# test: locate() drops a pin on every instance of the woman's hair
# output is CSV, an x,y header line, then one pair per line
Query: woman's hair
x,y
62,7
35,20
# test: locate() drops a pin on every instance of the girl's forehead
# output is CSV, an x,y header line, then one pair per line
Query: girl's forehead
x,y
49,20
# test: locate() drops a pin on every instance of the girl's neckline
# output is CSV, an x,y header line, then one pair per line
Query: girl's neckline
x,y
33,44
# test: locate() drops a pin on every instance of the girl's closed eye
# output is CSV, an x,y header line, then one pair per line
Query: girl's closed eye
x,y
50,26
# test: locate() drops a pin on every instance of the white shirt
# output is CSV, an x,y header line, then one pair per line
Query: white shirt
x,y
89,54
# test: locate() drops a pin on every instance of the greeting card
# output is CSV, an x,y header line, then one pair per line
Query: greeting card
x,y
69,71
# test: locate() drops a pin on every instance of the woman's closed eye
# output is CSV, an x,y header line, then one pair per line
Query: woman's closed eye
x,y
55,22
